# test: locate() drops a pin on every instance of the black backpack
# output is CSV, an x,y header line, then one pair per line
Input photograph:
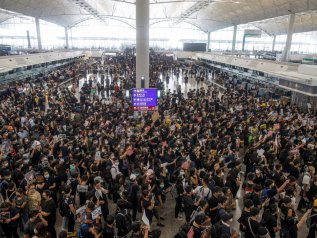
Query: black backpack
x,y
216,230
127,220
64,208
183,230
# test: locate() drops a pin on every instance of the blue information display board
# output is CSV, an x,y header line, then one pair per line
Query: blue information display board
x,y
144,99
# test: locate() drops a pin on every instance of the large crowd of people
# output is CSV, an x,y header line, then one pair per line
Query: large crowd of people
x,y
69,152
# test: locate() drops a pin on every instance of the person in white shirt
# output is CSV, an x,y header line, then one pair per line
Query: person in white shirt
x,y
114,168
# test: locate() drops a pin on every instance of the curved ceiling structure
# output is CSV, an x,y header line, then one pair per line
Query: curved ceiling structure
x,y
208,15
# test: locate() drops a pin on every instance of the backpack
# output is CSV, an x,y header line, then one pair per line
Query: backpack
x,y
219,231
183,230
264,193
64,208
127,221
83,231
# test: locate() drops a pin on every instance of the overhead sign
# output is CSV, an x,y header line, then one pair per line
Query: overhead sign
x,y
144,99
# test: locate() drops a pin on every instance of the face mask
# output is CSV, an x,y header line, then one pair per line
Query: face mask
x,y
161,185
72,167
46,176
26,161
9,177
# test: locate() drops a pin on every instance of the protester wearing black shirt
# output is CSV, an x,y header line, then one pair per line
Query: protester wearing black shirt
x,y
123,219
252,225
289,220
148,205
188,203
213,203
69,203
108,231
9,220
133,192
35,217
269,220
248,205
49,212
100,196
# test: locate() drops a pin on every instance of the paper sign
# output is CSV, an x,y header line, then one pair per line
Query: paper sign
x,y
95,213
81,210
30,176
260,152
98,155
62,136
55,139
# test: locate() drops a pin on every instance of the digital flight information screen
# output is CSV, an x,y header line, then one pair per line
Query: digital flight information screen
x,y
144,99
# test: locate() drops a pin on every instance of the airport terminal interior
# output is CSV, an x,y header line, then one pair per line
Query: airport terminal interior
x,y
158,118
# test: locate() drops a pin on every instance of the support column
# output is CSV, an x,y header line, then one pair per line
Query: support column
x,y
287,49
66,38
38,32
243,42
142,43
234,39
273,44
28,37
208,41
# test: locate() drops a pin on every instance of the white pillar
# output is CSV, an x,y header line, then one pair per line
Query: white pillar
x,y
234,39
142,42
208,41
66,38
38,32
287,49
273,44
29,40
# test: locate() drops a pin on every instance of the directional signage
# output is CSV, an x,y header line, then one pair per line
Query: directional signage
x,y
144,99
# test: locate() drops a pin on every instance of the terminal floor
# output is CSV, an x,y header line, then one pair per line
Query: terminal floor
x,y
171,224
